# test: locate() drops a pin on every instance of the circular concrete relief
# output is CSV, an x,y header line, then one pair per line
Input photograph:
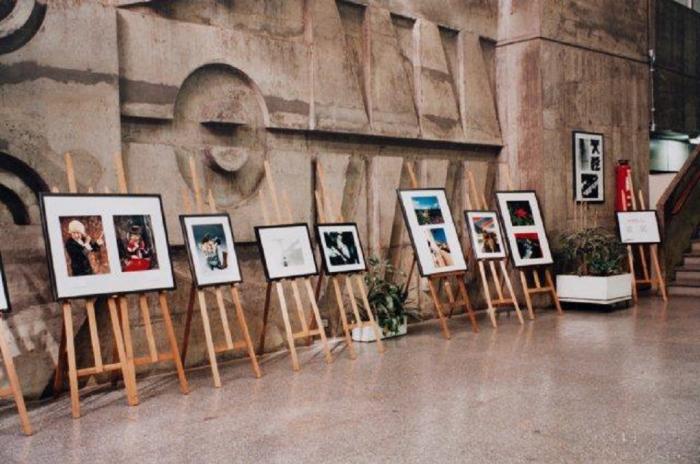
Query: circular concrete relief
x,y
20,20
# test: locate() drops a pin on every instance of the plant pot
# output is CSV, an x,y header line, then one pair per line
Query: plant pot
x,y
594,289
366,334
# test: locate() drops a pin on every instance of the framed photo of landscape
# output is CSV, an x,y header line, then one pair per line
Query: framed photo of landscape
x,y
286,251
432,230
589,180
485,232
341,250
103,244
211,249
524,228
4,293
638,227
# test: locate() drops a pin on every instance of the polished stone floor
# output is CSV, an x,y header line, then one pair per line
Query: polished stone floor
x,y
584,387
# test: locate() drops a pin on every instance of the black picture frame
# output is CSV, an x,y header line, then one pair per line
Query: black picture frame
x,y
412,238
472,239
574,159
658,226
262,251
319,239
49,254
5,288
190,252
505,229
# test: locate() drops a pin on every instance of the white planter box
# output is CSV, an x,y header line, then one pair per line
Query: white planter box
x,y
594,290
366,334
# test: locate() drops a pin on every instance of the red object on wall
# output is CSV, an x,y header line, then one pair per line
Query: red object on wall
x,y
623,193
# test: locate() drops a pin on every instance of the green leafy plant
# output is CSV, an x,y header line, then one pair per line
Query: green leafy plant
x,y
386,294
591,252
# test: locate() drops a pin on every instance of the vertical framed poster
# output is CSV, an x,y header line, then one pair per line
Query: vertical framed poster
x,y
524,227
589,178
4,294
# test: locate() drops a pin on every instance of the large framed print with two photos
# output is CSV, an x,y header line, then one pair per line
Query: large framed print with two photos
x,y
211,249
4,293
103,244
432,231
524,228
485,232
286,251
589,179
638,227
341,250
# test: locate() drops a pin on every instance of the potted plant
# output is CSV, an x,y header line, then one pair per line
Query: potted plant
x,y
387,298
591,268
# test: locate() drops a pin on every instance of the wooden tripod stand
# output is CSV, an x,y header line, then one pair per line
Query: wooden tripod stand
x,y
14,389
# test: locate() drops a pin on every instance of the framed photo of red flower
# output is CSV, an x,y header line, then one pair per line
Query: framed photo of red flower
x,y
524,228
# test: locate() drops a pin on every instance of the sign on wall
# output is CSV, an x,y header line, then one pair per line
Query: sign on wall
x,y
589,180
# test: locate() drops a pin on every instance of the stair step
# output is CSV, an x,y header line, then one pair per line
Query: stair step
x,y
683,290
695,246
684,275
691,260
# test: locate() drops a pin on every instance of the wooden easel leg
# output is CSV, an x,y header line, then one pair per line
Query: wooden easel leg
x,y
287,326
319,323
438,309
266,311
167,319
61,365
244,328
72,366
526,292
375,327
120,340
657,268
468,304
487,294
15,386
344,318
209,339
553,290
509,285
630,261
128,343
188,323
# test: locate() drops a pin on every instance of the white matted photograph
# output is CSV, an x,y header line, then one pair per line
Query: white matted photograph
x,y
485,232
103,244
589,180
638,227
524,228
431,228
4,293
211,249
341,250
286,251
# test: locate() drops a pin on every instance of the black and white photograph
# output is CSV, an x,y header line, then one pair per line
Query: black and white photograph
x,y
588,159
102,244
211,249
524,228
432,231
638,227
286,251
4,292
341,250
485,232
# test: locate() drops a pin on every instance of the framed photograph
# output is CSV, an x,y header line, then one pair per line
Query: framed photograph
x,y
589,179
341,250
638,227
286,251
524,228
485,232
432,231
103,244
4,293
211,249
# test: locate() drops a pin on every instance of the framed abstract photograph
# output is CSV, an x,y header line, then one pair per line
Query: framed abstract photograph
x,y
341,250
432,230
485,232
211,249
286,251
589,180
102,244
524,228
638,227
4,293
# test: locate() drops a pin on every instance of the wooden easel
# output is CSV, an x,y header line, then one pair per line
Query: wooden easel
x,y
229,344
325,206
435,283
647,277
121,328
538,288
305,332
14,390
501,299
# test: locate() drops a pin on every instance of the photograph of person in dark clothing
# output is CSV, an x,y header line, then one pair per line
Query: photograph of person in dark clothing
x,y
135,244
84,245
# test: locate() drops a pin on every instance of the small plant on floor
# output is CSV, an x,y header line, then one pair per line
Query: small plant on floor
x,y
386,295
591,252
